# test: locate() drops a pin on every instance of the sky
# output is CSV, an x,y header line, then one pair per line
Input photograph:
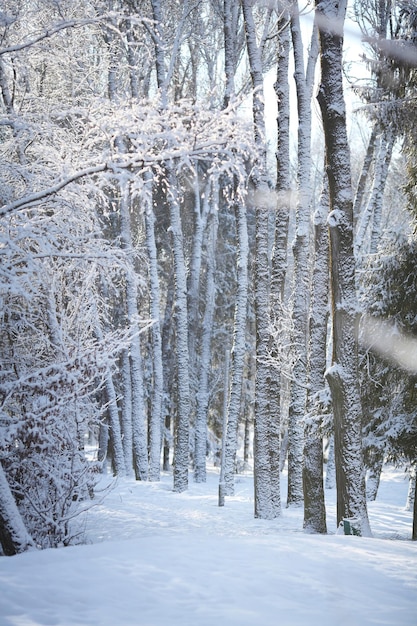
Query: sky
x,y
158,558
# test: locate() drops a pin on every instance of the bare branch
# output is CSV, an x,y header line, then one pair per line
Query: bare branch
x,y
48,33
34,198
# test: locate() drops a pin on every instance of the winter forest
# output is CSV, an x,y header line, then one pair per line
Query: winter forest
x,y
187,278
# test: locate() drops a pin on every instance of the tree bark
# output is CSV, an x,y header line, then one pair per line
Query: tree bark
x,y
139,430
314,503
114,429
343,375
182,429
279,256
238,349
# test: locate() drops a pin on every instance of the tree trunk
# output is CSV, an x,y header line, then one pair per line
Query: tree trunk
x,y
203,377
266,433
139,430
114,430
279,256
168,362
304,85
14,538
127,433
314,503
414,533
343,375
238,350
155,423
374,478
233,397
201,214
182,430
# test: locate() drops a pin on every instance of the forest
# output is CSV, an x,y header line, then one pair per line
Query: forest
x,y
186,279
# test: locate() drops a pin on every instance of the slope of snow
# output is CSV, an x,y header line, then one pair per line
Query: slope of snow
x,y
158,558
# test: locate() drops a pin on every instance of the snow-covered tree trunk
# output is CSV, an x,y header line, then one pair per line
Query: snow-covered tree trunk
x,y
134,434
155,424
182,427
201,213
283,184
233,395
279,256
238,348
314,503
139,429
114,429
14,538
266,506
230,14
168,363
126,410
182,430
200,451
343,374
304,85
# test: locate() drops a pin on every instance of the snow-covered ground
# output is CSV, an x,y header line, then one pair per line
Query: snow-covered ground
x,y
157,558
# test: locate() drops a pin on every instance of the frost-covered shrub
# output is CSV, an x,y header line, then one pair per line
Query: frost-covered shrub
x,y
52,363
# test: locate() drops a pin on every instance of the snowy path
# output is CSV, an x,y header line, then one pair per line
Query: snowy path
x,y
165,559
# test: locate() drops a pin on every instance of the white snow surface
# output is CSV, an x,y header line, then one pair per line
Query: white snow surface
x,y
158,558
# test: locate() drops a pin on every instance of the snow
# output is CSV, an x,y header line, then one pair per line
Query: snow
x,y
159,558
